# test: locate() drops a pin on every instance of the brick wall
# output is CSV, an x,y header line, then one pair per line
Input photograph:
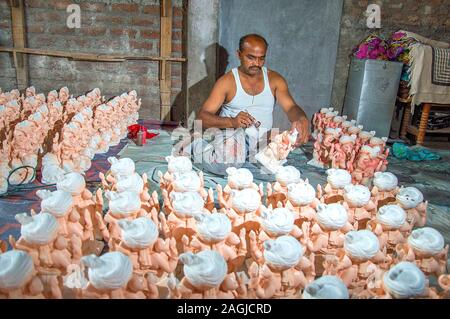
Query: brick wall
x,y
429,18
8,74
107,26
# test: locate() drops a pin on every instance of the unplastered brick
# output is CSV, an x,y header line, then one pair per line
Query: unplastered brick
x,y
90,6
94,31
149,34
125,7
141,45
151,9
143,21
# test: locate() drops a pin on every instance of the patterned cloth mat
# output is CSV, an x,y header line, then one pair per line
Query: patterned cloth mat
x,y
441,66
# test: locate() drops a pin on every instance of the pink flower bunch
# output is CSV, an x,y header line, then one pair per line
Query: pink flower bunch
x,y
372,47
397,36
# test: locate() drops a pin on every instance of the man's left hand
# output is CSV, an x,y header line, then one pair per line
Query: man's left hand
x,y
302,126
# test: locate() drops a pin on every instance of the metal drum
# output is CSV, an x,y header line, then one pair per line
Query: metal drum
x,y
371,93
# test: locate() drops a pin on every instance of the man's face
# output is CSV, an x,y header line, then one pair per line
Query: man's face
x,y
252,56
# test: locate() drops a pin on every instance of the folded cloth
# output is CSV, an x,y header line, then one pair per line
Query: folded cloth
x,y
429,79
424,40
135,128
415,153
429,67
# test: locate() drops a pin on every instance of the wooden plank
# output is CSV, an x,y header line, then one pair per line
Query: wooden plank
x,y
89,56
406,120
165,85
19,36
183,117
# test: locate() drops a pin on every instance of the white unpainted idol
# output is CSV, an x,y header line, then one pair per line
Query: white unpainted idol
x,y
301,194
278,221
332,216
325,110
331,113
338,178
245,201
426,240
339,119
16,268
347,139
287,175
51,173
372,151
73,183
347,124
138,233
409,197
333,131
366,134
132,183
123,203
283,252
110,271
68,166
58,203
404,280
391,215
186,182
378,140
385,181
361,244
178,164
357,195
206,269
239,178
40,229
121,167
187,204
78,118
326,287
84,163
214,227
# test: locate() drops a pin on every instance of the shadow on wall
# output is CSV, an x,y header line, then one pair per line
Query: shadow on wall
x,y
222,60
216,61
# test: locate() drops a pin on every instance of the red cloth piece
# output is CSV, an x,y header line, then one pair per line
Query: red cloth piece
x,y
135,128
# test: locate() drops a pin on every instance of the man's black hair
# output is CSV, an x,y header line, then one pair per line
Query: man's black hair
x,y
244,38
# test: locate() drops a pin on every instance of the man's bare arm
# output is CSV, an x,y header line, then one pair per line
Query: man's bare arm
x,y
295,113
208,112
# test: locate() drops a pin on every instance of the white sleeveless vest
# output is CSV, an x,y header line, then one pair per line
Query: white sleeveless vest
x,y
259,106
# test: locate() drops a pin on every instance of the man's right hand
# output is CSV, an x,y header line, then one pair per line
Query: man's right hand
x,y
243,119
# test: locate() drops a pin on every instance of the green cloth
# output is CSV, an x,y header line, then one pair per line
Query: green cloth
x,y
414,153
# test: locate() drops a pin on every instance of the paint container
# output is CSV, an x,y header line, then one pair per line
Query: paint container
x,y
144,135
